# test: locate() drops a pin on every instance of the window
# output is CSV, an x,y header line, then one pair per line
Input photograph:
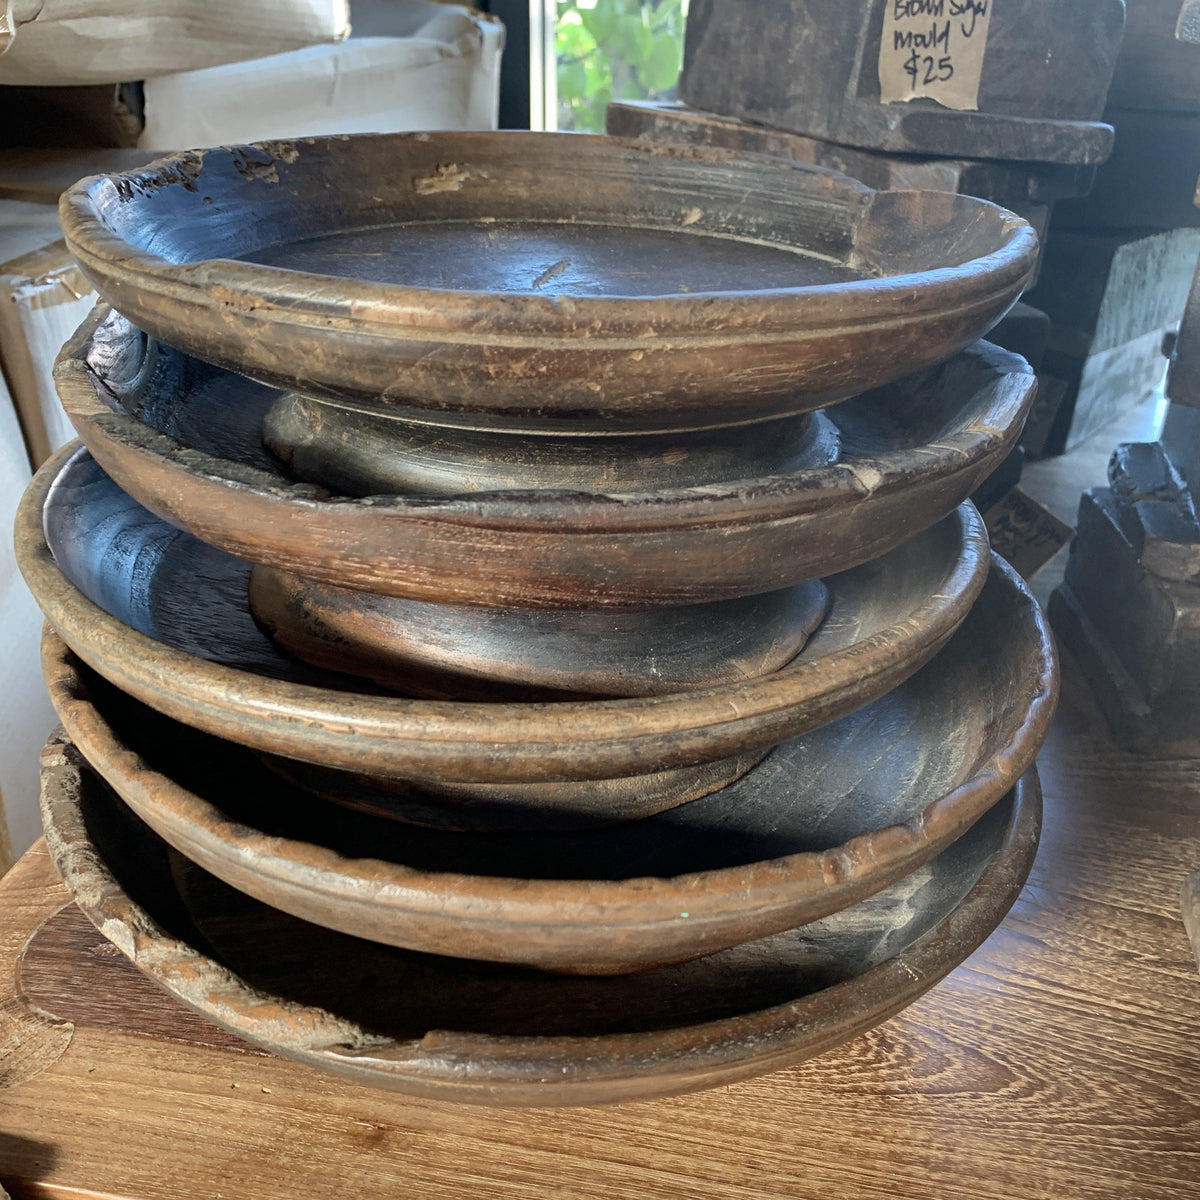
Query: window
x,y
613,50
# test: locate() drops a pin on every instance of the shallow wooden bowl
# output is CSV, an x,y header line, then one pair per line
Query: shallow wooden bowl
x,y
185,440
547,280
486,1034
165,617
827,819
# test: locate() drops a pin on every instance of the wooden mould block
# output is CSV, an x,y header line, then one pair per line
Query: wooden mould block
x,y
1135,633
1183,376
1035,90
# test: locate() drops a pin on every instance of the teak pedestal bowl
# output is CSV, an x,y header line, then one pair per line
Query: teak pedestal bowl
x,y
825,820
166,619
487,1034
185,440
541,281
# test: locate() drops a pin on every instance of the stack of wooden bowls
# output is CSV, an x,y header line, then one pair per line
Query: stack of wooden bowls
x,y
518,623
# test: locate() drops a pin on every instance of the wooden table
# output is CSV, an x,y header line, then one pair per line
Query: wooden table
x,y
1062,1060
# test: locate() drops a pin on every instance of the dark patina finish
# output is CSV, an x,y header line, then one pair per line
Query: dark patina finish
x,y
486,1034
541,281
827,819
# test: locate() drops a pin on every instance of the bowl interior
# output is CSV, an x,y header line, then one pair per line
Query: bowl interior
x,y
510,213
401,995
192,597
537,215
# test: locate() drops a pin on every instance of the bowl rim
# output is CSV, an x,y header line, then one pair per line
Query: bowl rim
x,y
455,316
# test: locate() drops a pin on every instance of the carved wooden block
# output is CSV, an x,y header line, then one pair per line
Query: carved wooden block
x,y
1024,533
1022,80
1183,376
1135,633
1181,440
1156,512
1187,28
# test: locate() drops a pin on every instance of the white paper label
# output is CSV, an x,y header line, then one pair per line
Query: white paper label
x,y
933,48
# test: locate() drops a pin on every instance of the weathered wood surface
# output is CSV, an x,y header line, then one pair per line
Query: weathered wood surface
x,y
1056,1062
1181,439
1111,297
1183,375
812,67
185,441
1102,290
366,454
166,619
1189,901
1187,28
544,285
1024,533
1133,631
827,819
449,1029
463,652
1025,188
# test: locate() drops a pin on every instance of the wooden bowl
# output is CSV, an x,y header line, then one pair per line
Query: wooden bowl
x,y
166,618
545,281
827,819
485,1034
185,440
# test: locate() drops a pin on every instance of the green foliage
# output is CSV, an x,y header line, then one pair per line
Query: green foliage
x,y
615,49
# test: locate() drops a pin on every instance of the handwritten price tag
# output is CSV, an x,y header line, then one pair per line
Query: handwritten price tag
x,y
933,48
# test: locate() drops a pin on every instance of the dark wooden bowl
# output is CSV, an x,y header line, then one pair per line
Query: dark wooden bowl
x,y
827,819
165,617
486,1034
185,440
544,280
